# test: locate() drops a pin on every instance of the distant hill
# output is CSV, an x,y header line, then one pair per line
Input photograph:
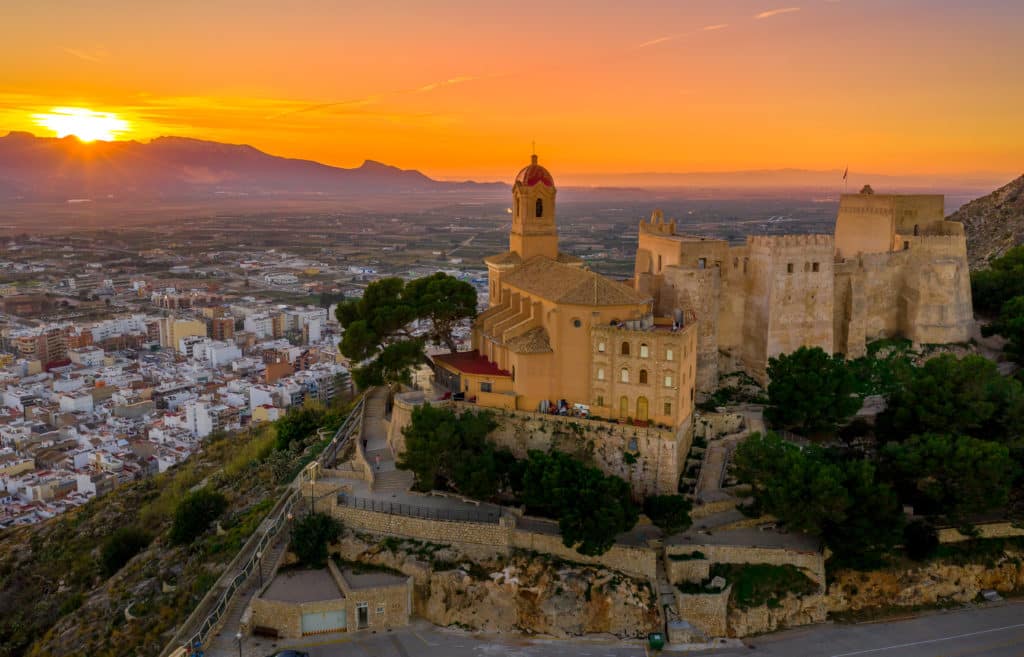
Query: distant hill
x,y
993,223
51,169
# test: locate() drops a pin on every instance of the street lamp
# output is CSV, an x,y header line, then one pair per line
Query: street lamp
x,y
238,637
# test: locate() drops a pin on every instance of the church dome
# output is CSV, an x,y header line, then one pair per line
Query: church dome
x,y
534,174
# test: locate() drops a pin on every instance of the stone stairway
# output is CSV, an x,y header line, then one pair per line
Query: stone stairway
x,y
393,481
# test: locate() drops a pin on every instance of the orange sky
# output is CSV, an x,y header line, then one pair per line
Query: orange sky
x,y
462,88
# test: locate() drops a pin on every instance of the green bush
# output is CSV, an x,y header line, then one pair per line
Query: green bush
x,y
920,540
810,391
310,537
671,513
120,547
195,513
757,584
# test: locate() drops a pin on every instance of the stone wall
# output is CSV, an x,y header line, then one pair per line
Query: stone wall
x,y
484,540
792,611
812,563
988,530
714,425
659,454
707,611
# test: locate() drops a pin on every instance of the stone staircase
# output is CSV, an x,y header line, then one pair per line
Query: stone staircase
x,y
392,480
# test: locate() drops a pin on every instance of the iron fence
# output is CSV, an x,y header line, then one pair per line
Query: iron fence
x,y
419,511
256,548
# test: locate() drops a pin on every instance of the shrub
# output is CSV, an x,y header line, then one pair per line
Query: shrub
x,y
920,541
671,513
120,547
195,513
310,537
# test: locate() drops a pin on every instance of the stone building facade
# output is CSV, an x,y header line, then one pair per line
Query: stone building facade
x,y
893,268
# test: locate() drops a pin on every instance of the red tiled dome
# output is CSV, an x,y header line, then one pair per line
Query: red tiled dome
x,y
534,174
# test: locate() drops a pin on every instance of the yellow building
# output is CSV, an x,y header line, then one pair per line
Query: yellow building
x,y
556,332
172,330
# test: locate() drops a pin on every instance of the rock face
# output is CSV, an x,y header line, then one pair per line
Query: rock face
x,y
522,593
792,611
928,585
993,223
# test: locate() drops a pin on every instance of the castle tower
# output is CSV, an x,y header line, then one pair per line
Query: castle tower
x,y
533,213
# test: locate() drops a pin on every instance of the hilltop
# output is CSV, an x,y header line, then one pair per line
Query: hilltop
x,y
994,223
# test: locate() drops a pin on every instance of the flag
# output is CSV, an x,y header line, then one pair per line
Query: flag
x,y
846,171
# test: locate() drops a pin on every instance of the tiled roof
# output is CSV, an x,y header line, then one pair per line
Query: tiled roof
x,y
566,284
471,362
534,341
512,258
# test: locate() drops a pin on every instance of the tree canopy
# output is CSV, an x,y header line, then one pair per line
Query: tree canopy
x,y
311,534
194,514
810,391
448,451
964,396
1002,281
591,507
1010,325
951,475
377,325
444,301
815,491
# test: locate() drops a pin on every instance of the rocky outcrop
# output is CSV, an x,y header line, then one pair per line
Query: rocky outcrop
x,y
523,592
993,223
792,611
927,585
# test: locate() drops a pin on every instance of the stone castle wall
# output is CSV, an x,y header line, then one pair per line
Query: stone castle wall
x,y
657,455
486,540
812,563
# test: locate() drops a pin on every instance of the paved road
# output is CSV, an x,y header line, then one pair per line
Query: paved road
x,y
992,631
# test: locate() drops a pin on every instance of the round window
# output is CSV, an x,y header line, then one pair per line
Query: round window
x,y
577,323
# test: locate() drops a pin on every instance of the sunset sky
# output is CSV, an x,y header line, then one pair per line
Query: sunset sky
x,y
461,89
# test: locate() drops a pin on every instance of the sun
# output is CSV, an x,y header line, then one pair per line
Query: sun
x,y
83,123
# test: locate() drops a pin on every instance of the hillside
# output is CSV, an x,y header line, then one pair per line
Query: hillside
x,y
994,223
56,599
43,168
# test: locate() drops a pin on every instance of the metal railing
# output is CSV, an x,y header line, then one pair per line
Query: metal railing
x,y
256,548
417,511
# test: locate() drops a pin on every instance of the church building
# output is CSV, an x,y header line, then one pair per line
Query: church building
x,y
557,332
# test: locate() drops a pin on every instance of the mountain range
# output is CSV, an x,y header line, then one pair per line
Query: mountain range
x,y
178,168
45,168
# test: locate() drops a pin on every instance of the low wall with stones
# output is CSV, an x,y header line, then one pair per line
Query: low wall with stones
x,y
694,570
483,540
713,425
988,530
812,563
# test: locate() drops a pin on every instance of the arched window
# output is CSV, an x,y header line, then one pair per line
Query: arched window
x,y
625,349
623,406
668,354
916,229
643,376
624,375
600,347
600,374
644,351
540,207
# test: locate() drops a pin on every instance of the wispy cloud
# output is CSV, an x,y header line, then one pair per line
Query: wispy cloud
x,y
711,28
776,12
654,42
85,55
445,83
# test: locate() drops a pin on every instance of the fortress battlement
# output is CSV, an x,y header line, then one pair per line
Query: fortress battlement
x,y
789,241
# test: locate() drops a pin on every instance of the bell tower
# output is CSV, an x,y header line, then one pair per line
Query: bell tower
x,y
533,213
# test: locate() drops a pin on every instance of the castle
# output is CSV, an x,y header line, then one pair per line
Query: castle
x,y
696,307
894,268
